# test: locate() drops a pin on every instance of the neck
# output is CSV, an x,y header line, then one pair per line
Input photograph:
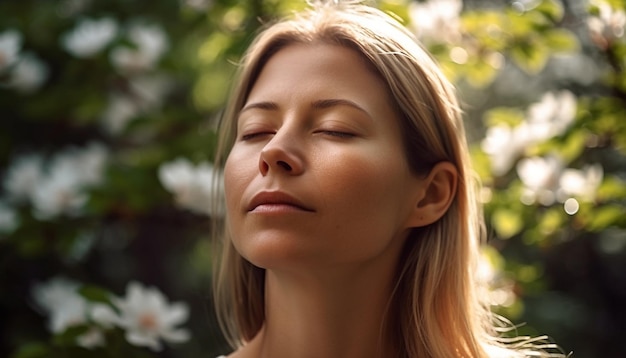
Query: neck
x,y
336,313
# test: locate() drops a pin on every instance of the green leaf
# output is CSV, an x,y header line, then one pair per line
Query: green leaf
x,y
68,337
506,222
551,221
530,57
573,145
551,9
611,188
32,350
480,74
504,115
94,293
560,40
606,216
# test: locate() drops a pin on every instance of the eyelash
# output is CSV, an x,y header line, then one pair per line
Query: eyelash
x,y
337,134
251,136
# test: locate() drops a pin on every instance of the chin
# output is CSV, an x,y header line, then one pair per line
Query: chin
x,y
276,252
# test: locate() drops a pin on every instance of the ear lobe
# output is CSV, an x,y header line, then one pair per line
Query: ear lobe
x,y
438,192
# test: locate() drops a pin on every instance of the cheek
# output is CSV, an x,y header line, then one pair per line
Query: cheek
x,y
234,181
366,183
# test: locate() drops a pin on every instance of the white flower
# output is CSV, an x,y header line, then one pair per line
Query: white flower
x,y
608,25
60,189
94,337
89,37
436,20
582,183
552,115
23,176
150,41
147,317
85,165
549,117
194,187
8,218
59,299
540,177
10,43
59,194
120,111
150,90
503,145
29,74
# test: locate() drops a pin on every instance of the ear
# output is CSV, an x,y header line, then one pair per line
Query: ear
x,y
436,193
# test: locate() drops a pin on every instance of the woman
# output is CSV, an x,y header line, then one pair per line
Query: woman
x,y
352,228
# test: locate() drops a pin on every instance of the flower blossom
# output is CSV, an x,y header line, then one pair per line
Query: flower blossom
x,y
147,93
540,177
608,25
8,218
194,187
62,190
582,183
10,43
57,188
23,176
29,74
147,317
120,110
436,19
89,37
86,164
549,117
552,115
60,300
150,43
59,194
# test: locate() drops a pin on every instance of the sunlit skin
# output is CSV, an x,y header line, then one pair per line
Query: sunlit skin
x,y
320,194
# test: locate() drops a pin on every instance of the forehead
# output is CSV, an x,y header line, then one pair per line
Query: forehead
x,y
322,69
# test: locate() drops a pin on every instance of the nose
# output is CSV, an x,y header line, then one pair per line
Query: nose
x,y
281,155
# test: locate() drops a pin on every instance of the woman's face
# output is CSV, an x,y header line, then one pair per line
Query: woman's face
x,y
317,174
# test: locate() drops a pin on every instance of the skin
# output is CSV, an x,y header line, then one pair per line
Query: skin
x,y
319,127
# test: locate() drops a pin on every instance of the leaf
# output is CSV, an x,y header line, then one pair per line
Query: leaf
x,y
560,40
480,74
32,350
611,188
573,145
94,293
551,221
506,223
504,115
530,57
68,337
605,216
551,9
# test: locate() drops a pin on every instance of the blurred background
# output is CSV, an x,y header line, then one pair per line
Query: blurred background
x,y
108,112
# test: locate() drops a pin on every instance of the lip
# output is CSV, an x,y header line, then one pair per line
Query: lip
x,y
273,200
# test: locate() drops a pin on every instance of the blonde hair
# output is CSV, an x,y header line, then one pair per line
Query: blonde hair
x,y
435,310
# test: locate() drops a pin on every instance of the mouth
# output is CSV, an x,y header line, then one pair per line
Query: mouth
x,y
271,200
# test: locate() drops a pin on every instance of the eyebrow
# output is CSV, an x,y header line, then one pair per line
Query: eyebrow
x,y
318,104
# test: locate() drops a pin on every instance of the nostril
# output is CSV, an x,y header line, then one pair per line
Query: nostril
x,y
284,165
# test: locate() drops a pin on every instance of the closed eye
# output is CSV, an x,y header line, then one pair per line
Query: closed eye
x,y
255,135
338,134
